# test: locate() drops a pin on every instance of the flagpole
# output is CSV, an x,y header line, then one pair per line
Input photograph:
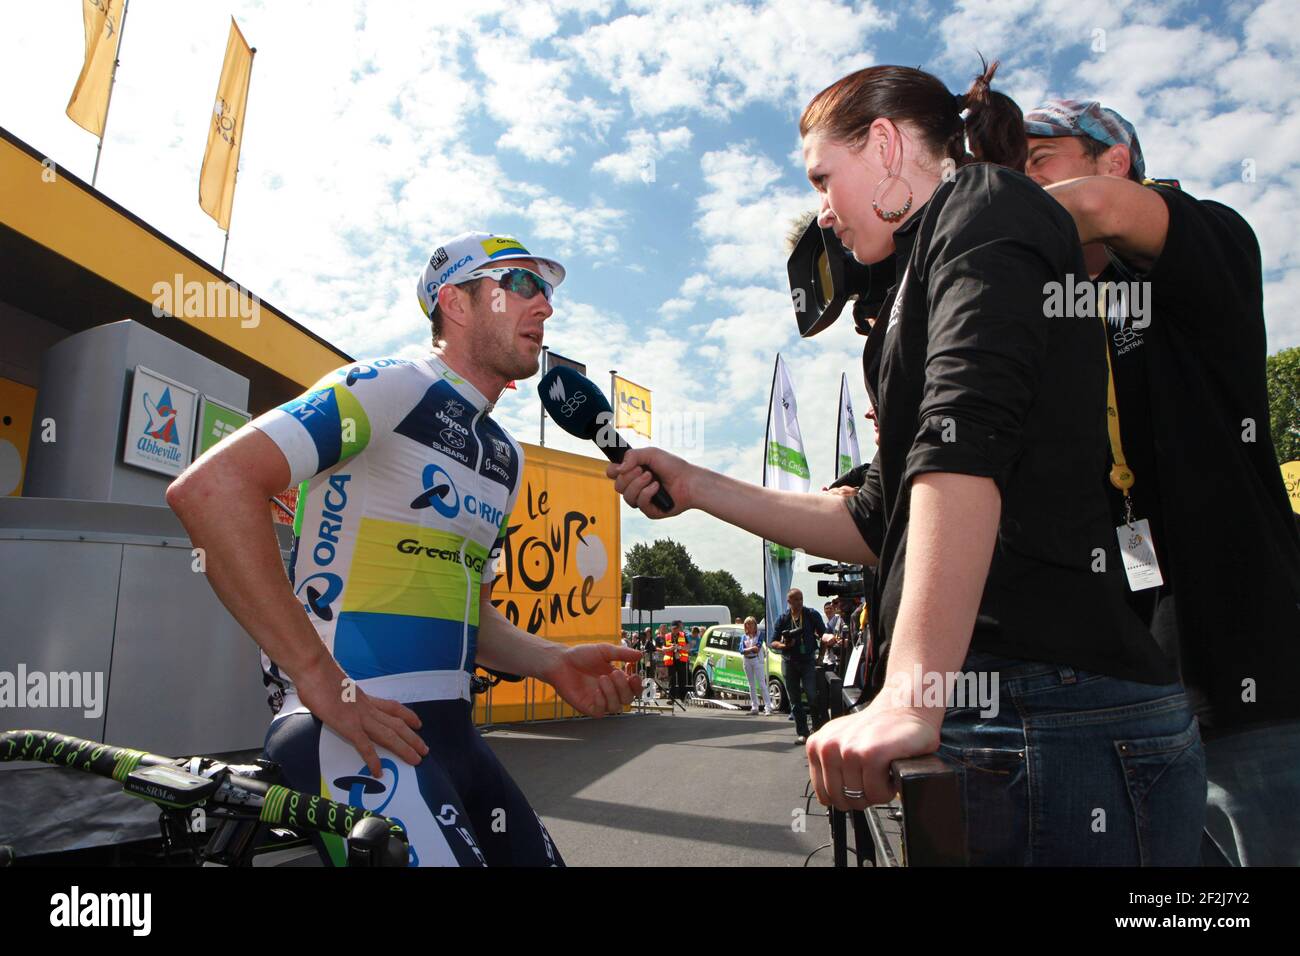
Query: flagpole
x,y
252,55
839,423
541,438
612,400
112,79
767,436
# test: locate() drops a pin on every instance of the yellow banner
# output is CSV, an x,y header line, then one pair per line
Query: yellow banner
x,y
559,575
631,406
88,107
221,158
1291,478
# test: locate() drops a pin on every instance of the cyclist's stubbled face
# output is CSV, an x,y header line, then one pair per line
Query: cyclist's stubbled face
x,y
506,334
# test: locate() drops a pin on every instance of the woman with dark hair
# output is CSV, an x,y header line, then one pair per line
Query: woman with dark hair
x,y
1004,638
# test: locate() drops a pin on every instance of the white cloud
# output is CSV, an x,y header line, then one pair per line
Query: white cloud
x,y
719,57
644,149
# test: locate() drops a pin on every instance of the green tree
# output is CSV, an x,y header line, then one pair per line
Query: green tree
x,y
1283,373
720,587
685,583
669,560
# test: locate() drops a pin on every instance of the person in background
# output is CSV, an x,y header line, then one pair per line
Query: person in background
x,y
1185,331
754,654
798,633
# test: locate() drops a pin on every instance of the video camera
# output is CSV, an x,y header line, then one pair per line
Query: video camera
x,y
852,580
824,277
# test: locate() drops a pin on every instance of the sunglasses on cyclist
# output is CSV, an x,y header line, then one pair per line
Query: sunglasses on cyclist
x,y
522,282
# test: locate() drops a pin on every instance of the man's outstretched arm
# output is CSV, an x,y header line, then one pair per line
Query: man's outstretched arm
x,y
221,500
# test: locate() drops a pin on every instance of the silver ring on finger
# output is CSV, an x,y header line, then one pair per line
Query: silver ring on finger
x,y
852,794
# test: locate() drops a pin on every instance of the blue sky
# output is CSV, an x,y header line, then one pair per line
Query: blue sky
x,y
651,147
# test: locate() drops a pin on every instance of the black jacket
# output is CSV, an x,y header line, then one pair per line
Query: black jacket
x,y
970,375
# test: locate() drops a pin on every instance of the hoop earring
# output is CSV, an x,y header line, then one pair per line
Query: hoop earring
x,y
895,214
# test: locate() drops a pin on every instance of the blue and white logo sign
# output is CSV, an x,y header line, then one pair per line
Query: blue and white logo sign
x,y
439,493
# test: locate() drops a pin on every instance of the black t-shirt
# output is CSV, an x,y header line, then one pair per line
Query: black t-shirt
x,y
970,375
812,628
1128,317
1193,410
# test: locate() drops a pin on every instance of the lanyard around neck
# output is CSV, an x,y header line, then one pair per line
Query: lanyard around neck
x,y
1121,475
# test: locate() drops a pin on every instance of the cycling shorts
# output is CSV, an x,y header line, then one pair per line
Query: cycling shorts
x,y
459,806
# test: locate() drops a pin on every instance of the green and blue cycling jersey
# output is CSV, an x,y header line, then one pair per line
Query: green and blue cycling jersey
x,y
405,487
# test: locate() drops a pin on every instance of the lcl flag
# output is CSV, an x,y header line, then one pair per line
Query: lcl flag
x,y
88,107
226,133
631,406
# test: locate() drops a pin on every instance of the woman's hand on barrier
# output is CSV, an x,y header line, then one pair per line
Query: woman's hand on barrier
x,y
852,754
644,471
365,722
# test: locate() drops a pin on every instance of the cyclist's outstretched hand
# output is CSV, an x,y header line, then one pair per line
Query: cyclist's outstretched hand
x,y
365,722
589,677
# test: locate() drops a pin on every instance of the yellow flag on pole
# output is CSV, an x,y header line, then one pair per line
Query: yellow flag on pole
x,y
88,107
226,133
631,406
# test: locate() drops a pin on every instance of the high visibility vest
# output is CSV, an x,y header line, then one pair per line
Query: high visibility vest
x,y
683,651
668,652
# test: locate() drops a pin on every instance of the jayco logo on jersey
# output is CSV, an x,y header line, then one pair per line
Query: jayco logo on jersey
x,y
439,492
454,434
320,590
441,421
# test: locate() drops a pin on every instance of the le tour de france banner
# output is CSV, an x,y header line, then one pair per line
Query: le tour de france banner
x,y
559,575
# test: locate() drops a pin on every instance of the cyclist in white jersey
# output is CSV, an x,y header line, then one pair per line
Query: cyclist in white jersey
x,y
405,488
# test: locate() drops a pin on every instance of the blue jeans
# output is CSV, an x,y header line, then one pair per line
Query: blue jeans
x,y
800,674
1254,792
1077,769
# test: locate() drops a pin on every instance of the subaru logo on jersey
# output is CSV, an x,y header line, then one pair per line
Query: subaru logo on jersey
x,y
441,421
439,493
319,592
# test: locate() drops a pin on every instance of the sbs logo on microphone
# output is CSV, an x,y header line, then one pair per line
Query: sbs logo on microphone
x,y
572,404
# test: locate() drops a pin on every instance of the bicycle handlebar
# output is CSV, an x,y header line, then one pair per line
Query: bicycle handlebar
x,y
278,806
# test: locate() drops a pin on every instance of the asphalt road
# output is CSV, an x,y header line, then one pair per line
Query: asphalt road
x,y
704,788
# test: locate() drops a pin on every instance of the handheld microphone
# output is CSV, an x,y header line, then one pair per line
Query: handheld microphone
x,y
575,404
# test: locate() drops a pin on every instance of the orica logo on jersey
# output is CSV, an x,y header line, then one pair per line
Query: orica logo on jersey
x,y
319,592
361,786
358,372
439,492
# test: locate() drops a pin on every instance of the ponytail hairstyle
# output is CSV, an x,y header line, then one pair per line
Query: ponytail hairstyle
x,y
995,126
845,110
